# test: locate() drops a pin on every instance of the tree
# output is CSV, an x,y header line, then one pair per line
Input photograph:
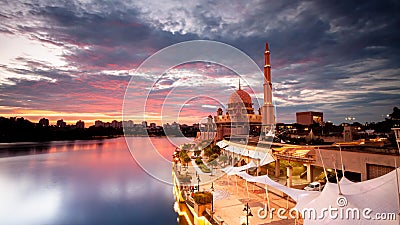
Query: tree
x,y
216,149
202,197
224,159
186,160
213,157
395,114
197,152
182,154
208,151
213,163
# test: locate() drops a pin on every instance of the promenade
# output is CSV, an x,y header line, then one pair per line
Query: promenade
x,y
231,195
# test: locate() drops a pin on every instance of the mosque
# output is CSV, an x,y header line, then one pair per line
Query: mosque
x,y
240,121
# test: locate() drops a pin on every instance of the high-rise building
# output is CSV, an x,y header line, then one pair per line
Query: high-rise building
x,y
128,124
61,123
309,118
44,122
98,123
144,124
80,124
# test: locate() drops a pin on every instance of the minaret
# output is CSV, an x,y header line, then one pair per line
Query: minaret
x,y
268,117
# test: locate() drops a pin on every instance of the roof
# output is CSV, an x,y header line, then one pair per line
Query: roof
x,y
240,96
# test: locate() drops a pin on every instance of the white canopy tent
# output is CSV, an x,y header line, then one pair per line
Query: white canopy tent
x,y
222,144
265,157
231,170
379,195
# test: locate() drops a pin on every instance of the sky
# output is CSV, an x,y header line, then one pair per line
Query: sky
x,y
73,59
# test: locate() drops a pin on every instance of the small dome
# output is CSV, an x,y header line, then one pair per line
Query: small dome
x,y
240,96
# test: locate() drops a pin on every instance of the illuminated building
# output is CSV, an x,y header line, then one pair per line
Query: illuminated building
x,y
309,118
239,119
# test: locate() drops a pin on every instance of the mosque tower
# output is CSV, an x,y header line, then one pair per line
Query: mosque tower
x,y
268,117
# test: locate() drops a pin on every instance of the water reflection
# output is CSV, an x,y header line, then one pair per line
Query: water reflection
x,y
81,182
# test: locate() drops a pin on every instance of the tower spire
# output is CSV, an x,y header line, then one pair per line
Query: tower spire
x,y
239,84
268,117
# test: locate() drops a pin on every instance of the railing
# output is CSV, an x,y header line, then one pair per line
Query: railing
x,y
187,200
308,159
214,220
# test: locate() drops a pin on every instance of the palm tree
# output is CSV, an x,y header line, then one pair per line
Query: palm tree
x,y
186,160
213,163
224,159
216,149
208,151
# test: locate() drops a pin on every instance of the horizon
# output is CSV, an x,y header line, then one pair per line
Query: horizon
x,y
89,123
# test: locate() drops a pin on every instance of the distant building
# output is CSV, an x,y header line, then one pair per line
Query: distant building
x,y
115,124
153,125
348,132
144,124
175,125
309,118
61,123
128,124
44,122
397,134
98,123
80,124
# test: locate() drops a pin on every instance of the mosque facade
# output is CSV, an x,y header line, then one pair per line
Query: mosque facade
x,y
240,120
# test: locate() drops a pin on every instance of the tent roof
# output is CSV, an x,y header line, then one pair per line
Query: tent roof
x,y
262,154
230,170
379,194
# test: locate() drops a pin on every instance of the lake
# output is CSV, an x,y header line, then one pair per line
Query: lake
x,y
82,183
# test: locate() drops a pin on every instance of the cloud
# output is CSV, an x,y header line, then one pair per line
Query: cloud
x,y
74,56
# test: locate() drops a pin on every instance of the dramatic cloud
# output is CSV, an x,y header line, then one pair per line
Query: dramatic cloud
x,y
72,59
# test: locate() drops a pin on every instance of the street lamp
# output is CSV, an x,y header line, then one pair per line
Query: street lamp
x,y
198,183
212,200
248,212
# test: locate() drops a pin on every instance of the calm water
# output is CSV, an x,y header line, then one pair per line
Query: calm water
x,y
82,183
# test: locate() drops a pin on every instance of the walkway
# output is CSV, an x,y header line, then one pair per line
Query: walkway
x,y
230,209
229,200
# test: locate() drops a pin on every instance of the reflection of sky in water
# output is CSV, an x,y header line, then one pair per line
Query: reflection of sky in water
x,y
83,182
